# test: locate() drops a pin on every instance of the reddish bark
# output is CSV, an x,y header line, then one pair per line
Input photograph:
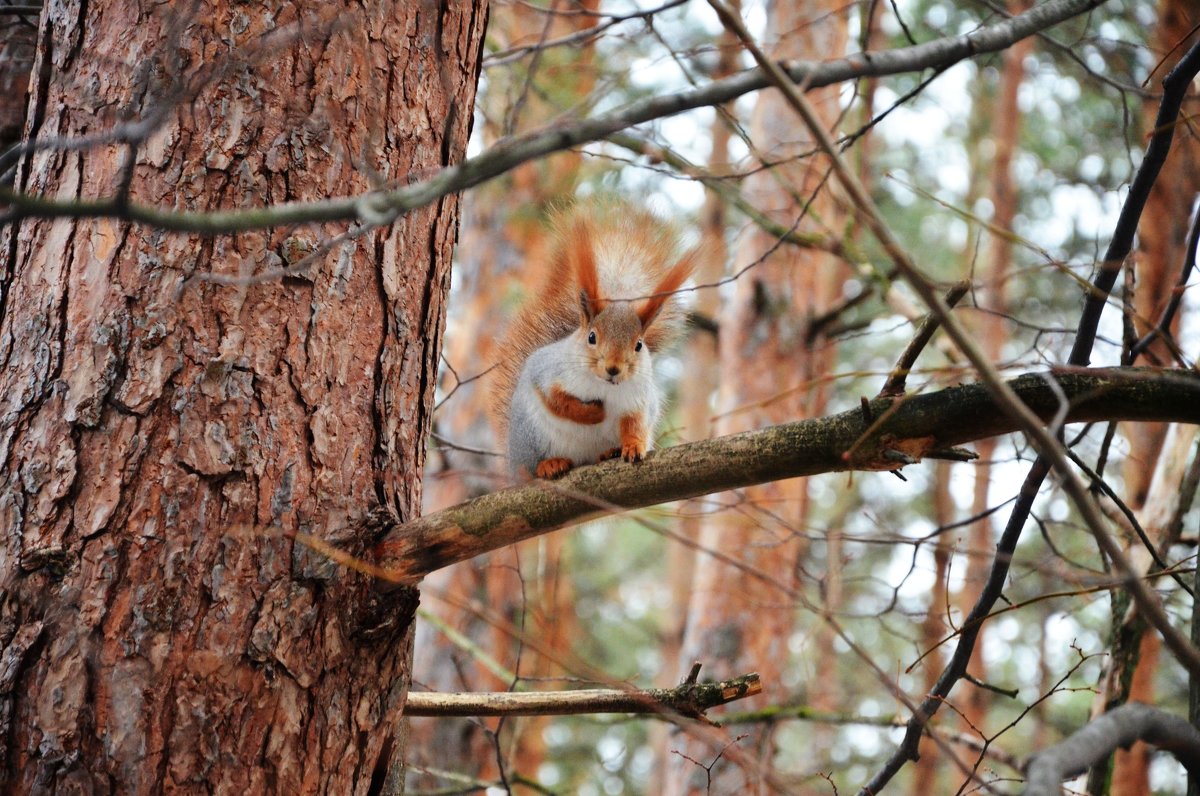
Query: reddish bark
x,y
159,438
1162,238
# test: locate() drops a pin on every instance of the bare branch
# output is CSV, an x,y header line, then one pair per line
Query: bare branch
x,y
1175,86
1119,727
385,206
929,326
689,699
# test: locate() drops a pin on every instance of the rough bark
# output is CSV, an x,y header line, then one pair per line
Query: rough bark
x,y
161,440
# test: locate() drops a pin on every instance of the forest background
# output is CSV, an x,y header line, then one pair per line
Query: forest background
x,y
227,240
1007,171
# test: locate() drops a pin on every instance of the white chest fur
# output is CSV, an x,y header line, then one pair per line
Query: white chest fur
x,y
582,443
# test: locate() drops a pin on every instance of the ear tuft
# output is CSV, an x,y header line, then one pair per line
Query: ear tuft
x,y
581,258
664,291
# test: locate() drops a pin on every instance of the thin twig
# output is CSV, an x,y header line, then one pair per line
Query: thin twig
x,y
688,699
384,206
894,386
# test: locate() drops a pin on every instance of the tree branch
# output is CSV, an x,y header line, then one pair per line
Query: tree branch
x,y
925,331
1119,727
385,206
1050,454
914,426
689,699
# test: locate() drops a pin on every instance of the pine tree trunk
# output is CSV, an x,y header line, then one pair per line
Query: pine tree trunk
x,y
1162,238
735,621
161,438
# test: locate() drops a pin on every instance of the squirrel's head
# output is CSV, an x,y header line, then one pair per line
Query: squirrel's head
x,y
614,331
612,334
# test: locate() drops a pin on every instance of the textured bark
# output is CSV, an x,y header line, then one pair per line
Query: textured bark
x,y
735,621
160,440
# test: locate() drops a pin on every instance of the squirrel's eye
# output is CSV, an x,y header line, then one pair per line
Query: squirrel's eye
x,y
638,346
592,337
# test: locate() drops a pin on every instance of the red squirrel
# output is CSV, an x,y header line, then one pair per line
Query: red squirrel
x,y
575,383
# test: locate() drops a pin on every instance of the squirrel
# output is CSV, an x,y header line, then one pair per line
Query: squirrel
x,y
575,383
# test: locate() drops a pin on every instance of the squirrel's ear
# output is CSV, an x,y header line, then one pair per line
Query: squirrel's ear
x,y
581,258
666,287
587,306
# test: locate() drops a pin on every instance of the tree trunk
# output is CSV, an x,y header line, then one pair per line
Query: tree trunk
x,y
162,440
735,621
1162,238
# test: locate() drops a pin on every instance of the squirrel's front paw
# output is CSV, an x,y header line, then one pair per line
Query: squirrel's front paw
x,y
633,451
553,468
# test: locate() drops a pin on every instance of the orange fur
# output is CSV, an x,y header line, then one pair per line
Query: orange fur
x,y
642,241
633,438
562,404
580,258
553,468
665,289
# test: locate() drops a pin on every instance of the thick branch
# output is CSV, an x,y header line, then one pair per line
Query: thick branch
x,y
687,699
383,207
914,426
1119,727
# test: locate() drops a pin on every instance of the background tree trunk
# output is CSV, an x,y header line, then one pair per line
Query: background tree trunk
x,y
1004,113
505,240
160,438
1162,238
771,372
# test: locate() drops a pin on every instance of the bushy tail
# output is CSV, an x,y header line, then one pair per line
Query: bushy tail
x,y
606,251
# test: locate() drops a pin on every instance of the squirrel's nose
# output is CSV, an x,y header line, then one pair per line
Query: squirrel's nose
x,y
613,370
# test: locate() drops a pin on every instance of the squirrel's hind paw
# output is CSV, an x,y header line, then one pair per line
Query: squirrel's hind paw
x,y
553,468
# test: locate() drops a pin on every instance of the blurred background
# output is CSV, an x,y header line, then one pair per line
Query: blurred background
x,y
1007,171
